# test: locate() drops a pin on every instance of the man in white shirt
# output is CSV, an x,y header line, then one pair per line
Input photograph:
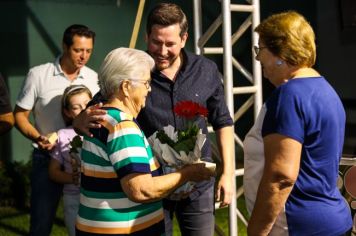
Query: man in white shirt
x,y
41,95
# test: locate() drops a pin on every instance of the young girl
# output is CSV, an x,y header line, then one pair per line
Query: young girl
x,y
74,100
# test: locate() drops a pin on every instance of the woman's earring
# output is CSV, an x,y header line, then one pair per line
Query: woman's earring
x,y
279,62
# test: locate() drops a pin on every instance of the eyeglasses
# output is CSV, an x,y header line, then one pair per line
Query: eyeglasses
x,y
257,49
147,83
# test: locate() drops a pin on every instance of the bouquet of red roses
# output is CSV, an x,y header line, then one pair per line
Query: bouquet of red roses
x,y
176,148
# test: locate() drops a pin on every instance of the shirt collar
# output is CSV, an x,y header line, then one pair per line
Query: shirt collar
x,y
58,70
57,66
185,59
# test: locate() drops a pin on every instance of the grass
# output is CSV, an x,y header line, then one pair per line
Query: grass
x,y
14,222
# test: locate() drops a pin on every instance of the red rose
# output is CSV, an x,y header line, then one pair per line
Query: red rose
x,y
189,109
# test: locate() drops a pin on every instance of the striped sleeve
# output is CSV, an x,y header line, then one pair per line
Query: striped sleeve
x,y
127,149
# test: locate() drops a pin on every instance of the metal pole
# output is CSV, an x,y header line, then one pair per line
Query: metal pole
x,y
137,23
197,25
256,67
228,82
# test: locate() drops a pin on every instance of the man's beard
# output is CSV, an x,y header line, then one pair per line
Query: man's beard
x,y
168,63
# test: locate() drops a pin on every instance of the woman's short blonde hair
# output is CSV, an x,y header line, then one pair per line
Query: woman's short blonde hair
x,y
289,36
122,64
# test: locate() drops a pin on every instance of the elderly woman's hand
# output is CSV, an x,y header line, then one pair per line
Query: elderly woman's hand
x,y
88,119
197,172
146,188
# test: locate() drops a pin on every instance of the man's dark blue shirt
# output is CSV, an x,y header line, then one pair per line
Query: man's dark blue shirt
x,y
198,80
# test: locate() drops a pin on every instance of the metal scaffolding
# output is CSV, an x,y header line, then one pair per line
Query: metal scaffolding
x,y
229,63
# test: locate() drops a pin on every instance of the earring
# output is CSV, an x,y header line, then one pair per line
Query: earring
x,y
279,62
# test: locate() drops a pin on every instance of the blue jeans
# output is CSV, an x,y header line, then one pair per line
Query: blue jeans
x,y
71,206
45,195
195,217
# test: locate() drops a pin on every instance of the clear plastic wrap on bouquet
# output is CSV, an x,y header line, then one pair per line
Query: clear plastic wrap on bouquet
x,y
171,160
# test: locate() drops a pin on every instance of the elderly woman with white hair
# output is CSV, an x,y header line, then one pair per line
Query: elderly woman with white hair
x,y
121,185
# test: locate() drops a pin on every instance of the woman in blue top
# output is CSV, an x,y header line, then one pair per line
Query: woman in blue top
x,y
293,151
